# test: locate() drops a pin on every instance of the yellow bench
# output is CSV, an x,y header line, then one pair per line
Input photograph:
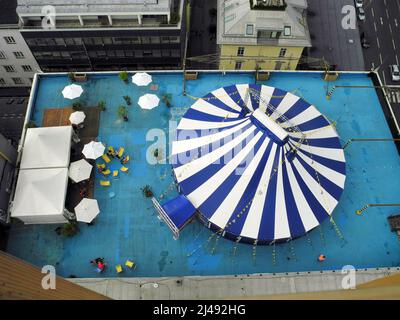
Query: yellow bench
x,y
106,158
105,183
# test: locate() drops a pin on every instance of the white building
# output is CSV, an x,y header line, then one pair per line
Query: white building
x,y
17,64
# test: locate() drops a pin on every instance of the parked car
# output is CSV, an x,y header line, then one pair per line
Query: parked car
x,y
358,3
395,72
361,14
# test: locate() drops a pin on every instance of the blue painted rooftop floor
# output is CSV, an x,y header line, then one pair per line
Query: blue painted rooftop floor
x,y
127,226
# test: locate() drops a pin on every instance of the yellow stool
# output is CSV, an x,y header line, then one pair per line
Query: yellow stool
x,y
118,267
130,264
105,183
124,169
120,152
106,158
106,172
101,166
115,173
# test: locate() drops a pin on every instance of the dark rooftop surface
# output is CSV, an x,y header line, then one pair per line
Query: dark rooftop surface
x,y
8,14
12,115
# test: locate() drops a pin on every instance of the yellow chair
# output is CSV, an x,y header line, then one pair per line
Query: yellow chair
x,y
101,166
118,267
124,169
105,183
106,158
115,173
120,152
130,264
126,159
106,172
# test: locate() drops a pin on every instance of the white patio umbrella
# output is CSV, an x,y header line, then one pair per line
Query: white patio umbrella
x,y
72,91
141,79
77,117
93,150
80,170
87,210
148,101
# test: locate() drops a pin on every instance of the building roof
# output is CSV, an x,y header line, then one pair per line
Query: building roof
x,y
8,14
12,116
94,6
235,15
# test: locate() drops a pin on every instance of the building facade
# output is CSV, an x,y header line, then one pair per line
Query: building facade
x,y
261,34
104,34
17,64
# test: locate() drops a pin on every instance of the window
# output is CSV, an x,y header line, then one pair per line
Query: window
x,y
147,53
287,31
278,65
282,53
238,65
240,51
19,54
2,81
27,68
2,55
9,40
9,68
249,29
17,80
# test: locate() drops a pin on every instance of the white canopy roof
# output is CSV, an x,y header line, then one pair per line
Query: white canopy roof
x,y
47,147
40,195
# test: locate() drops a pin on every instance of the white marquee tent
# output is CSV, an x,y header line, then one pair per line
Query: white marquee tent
x,y
47,147
40,196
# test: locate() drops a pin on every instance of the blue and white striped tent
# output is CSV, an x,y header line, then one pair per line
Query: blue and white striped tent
x,y
260,164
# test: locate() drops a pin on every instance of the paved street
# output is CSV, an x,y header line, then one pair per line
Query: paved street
x,y
382,29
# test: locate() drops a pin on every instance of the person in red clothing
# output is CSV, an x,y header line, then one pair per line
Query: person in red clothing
x,y
321,258
99,263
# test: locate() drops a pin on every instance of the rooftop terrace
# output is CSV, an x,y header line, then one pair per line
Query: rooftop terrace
x,y
127,226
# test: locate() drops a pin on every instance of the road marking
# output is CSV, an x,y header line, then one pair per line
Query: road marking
x,y
394,45
377,41
396,23
373,12
387,13
397,59
376,29
390,28
384,77
380,58
381,21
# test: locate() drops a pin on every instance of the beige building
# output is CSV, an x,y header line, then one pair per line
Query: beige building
x,y
261,34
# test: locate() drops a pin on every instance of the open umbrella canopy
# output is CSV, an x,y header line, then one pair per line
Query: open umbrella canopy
x,y
77,117
72,91
264,165
141,79
93,150
80,170
148,101
87,210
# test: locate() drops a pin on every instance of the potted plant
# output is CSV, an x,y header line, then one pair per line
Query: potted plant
x,y
127,100
101,105
69,229
30,124
167,99
77,105
123,75
147,191
71,76
123,113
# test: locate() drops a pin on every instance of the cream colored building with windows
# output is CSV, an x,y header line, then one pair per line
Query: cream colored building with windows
x,y
261,34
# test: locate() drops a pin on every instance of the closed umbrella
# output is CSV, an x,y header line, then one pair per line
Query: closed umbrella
x,y
149,101
93,150
77,117
72,91
141,79
87,210
80,170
